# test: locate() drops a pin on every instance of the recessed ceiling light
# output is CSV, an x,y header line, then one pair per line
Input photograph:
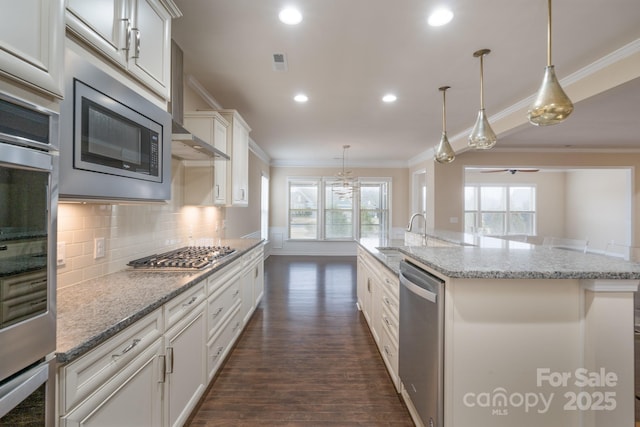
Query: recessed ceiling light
x,y
440,17
301,98
389,98
290,16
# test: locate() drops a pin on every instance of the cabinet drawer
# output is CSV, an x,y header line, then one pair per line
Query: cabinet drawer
x,y
389,351
392,305
391,283
83,376
221,304
219,346
391,323
253,256
220,278
178,307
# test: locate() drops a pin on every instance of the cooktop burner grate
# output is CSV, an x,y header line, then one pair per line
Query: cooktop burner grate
x,y
187,258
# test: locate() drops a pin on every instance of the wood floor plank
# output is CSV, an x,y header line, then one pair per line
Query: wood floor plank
x,y
306,358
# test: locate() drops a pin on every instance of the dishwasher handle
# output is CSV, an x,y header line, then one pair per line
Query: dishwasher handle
x,y
421,292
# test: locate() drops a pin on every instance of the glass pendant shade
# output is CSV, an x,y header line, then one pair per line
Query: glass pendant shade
x,y
444,152
482,137
551,105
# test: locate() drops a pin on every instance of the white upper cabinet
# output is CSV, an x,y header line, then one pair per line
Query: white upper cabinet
x,y
135,34
238,149
206,185
32,43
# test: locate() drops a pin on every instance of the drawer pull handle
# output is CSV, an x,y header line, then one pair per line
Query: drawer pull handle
x,y
386,350
191,301
387,322
218,311
127,348
220,349
235,328
235,294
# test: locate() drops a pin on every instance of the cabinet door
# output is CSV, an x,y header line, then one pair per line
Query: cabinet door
x,y
131,398
186,370
32,43
248,303
258,281
220,170
240,165
150,45
101,23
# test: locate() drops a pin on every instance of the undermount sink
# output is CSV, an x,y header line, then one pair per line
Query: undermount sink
x,y
390,252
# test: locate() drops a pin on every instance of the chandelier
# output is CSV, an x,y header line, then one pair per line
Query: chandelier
x,y
344,183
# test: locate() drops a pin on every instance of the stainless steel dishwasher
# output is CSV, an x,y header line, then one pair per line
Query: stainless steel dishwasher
x,y
421,341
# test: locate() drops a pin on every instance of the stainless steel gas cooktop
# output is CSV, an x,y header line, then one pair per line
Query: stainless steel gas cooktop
x,y
187,258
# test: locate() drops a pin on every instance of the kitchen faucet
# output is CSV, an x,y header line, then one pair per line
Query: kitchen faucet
x,y
424,232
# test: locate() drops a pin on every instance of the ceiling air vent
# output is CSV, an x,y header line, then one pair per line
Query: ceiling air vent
x,y
279,62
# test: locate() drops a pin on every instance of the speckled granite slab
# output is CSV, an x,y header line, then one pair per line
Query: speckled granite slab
x,y
91,312
491,258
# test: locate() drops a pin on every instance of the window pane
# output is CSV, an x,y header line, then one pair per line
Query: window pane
x,y
370,197
339,224
493,223
521,223
304,224
493,199
303,196
470,222
470,199
522,199
338,197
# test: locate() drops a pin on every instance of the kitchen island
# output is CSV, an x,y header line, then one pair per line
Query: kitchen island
x,y
532,335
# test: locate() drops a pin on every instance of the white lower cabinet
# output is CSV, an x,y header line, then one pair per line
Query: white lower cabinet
x,y
378,298
252,281
185,366
119,382
131,398
154,372
223,339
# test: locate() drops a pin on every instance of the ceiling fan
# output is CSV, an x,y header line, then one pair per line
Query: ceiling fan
x,y
511,171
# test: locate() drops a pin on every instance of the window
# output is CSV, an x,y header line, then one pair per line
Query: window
x,y
303,210
498,210
374,211
324,209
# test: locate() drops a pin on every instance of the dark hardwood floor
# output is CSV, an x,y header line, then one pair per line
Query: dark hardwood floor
x,y
306,358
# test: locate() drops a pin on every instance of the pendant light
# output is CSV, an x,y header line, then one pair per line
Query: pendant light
x,y
482,136
444,152
552,105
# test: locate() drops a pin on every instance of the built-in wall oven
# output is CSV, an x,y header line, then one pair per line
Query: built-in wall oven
x,y
28,195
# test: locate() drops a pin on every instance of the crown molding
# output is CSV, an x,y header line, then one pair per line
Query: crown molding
x,y
194,84
377,164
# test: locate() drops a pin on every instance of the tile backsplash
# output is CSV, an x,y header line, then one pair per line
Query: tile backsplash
x,y
130,231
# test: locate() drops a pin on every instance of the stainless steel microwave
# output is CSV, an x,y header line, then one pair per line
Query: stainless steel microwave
x,y
109,137
114,143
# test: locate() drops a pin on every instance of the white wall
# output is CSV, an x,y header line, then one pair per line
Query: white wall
x,y
598,206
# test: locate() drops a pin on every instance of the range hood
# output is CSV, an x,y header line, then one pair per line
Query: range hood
x,y
185,145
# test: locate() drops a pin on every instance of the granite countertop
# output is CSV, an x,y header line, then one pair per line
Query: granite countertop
x,y
493,258
91,312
